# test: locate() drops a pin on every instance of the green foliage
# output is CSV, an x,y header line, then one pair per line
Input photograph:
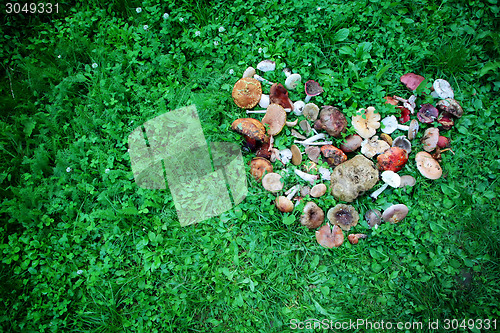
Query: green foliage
x,y
84,249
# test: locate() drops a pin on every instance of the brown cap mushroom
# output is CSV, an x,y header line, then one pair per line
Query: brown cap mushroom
x,y
354,238
428,166
373,217
312,88
351,143
345,216
395,213
333,155
275,117
332,120
285,204
387,138
250,127
318,190
296,155
413,130
313,216
451,106
330,237
430,138
247,92
407,180
313,153
259,166
366,123
279,95
272,182
392,159
352,178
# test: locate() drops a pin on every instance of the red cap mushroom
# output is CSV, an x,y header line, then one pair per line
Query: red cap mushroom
x,y
279,95
333,155
312,88
392,159
411,80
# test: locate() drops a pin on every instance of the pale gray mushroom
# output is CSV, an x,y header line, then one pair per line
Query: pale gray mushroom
x,y
311,111
264,101
249,72
266,65
442,89
413,130
373,217
373,146
403,143
272,182
261,79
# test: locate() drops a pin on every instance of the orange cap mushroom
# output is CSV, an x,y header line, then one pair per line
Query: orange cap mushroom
x,y
247,92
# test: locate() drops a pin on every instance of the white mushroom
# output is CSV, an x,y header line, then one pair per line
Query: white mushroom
x,y
249,72
442,89
306,176
391,124
298,107
264,101
325,173
266,65
292,80
408,103
285,156
389,178
262,111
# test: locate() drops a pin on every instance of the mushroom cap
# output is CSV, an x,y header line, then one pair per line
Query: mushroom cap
x,y
404,116
296,155
407,180
387,138
353,177
298,107
443,142
451,106
318,190
313,153
345,216
395,213
403,143
366,127
334,156
284,204
312,88
354,238
373,146
305,190
391,178
292,81
390,124
247,92
442,89
351,143
311,111
279,95
392,159
285,155
264,151
413,130
313,216
250,127
266,65
427,113
264,101
391,100
249,72
430,138
259,166
373,217
330,237
446,121
305,126
411,80
428,166
332,120
275,117
272,182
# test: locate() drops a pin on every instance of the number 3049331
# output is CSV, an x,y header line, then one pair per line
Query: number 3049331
x,y
31,8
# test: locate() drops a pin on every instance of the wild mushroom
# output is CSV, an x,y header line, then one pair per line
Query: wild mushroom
x,y
306,176
304,125
247,92
298,108
390,178
413,130
373,217
366,122
313,140
305,190
442,89
428,166
408,103
275,117
285,204
296,155
352,178
296,134
266,66
313,216
403,143
249,72
250,127
354,238
333,155
292,123
407,180
387,138
259,166
404,115
373,146
311,111
427,113
332,121
345,216
430,138
330,237
392,159
395,213
318,190
285,156
279,95
443,142
391,124
325,173
264,101
313,153
445,121
261,79
351,143
411,80
292,80
264,151
312,88
451,106
272,182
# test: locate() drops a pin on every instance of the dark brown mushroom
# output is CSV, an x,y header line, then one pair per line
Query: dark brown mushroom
x,y
332,120
313,216
279,95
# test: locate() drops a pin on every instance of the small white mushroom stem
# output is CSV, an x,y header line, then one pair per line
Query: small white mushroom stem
x,y
261,79
315,138
322,143
263,111
292,123
314,131
307,99
375,194
292,191
403,127
306,176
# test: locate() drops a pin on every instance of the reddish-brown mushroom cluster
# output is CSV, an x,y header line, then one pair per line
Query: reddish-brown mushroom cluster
x,y
323,153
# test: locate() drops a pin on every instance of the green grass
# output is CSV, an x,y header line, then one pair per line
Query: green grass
x,y
89,251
